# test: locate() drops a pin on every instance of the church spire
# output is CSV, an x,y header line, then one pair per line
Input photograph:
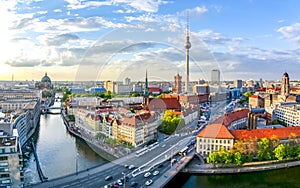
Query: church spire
x,y
146,84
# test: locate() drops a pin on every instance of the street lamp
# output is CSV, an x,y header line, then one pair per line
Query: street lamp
x,y
171,155
76,164
124,180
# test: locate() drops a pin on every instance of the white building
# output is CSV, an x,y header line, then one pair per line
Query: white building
x,y
288,113
212,138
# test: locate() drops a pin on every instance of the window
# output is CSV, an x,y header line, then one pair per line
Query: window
x,y
220,141
3,158
216,141
4,175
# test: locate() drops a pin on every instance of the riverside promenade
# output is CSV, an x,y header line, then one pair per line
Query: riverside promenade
x,y
195,168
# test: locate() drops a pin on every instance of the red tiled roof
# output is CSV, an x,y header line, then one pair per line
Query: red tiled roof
x,y
215,131
154,89
255,96
164,103
227,119
139,118
256,134
261,89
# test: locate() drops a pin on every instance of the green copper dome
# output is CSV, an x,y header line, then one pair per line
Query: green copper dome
x,y
46,78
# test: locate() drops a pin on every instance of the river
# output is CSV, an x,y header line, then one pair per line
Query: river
x,y
265,179
61,154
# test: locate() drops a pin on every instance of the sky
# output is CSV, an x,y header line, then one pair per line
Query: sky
x,y
115,39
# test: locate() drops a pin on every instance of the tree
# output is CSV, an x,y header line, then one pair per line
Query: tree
x,y
247,95
279,152
170,122
213,158
239,146
264,152
274,142
107,95
289,150
238,158
251,147
66,93
297,151
293,139
228,158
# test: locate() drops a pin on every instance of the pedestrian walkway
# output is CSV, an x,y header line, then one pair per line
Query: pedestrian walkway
x,y
214,169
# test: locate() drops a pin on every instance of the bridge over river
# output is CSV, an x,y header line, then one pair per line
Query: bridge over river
x,y
149,161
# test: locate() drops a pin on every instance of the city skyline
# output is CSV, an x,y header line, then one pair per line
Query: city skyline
x,y
101,40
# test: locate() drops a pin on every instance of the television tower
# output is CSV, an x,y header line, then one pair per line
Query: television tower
x,y
187,46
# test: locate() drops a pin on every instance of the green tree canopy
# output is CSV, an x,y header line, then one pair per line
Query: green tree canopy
x,y
170,122
279,152
247,95
264,152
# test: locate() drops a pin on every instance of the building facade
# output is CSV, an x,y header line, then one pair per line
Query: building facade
x,y
212,138
288,113
215,76
11,162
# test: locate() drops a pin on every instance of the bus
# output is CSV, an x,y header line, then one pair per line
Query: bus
x,y
181,152
141,151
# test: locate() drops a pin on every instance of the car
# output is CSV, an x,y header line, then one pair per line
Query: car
x,y
155,173
133,184
148,182
126,166
116,185
146,175
107,178
173,161
164,145
119,182
131,167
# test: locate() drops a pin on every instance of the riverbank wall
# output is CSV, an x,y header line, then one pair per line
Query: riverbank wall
x,y
195,168
102,151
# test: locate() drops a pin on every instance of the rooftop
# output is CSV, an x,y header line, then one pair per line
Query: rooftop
x,y
215,131
257,134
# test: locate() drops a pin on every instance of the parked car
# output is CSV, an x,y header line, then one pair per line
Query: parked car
x,y
108,178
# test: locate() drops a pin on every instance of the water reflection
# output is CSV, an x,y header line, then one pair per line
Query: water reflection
x,y
59,152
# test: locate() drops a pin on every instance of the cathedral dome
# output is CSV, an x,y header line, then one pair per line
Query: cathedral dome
x,y
46,78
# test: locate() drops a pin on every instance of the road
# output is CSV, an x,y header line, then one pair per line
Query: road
x,y
95,177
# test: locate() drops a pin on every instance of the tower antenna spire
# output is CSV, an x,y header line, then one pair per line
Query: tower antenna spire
x,y
187,46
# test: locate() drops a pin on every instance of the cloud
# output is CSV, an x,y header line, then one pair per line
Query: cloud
x,y
150,6
77,4
57,10
291,32
58,40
